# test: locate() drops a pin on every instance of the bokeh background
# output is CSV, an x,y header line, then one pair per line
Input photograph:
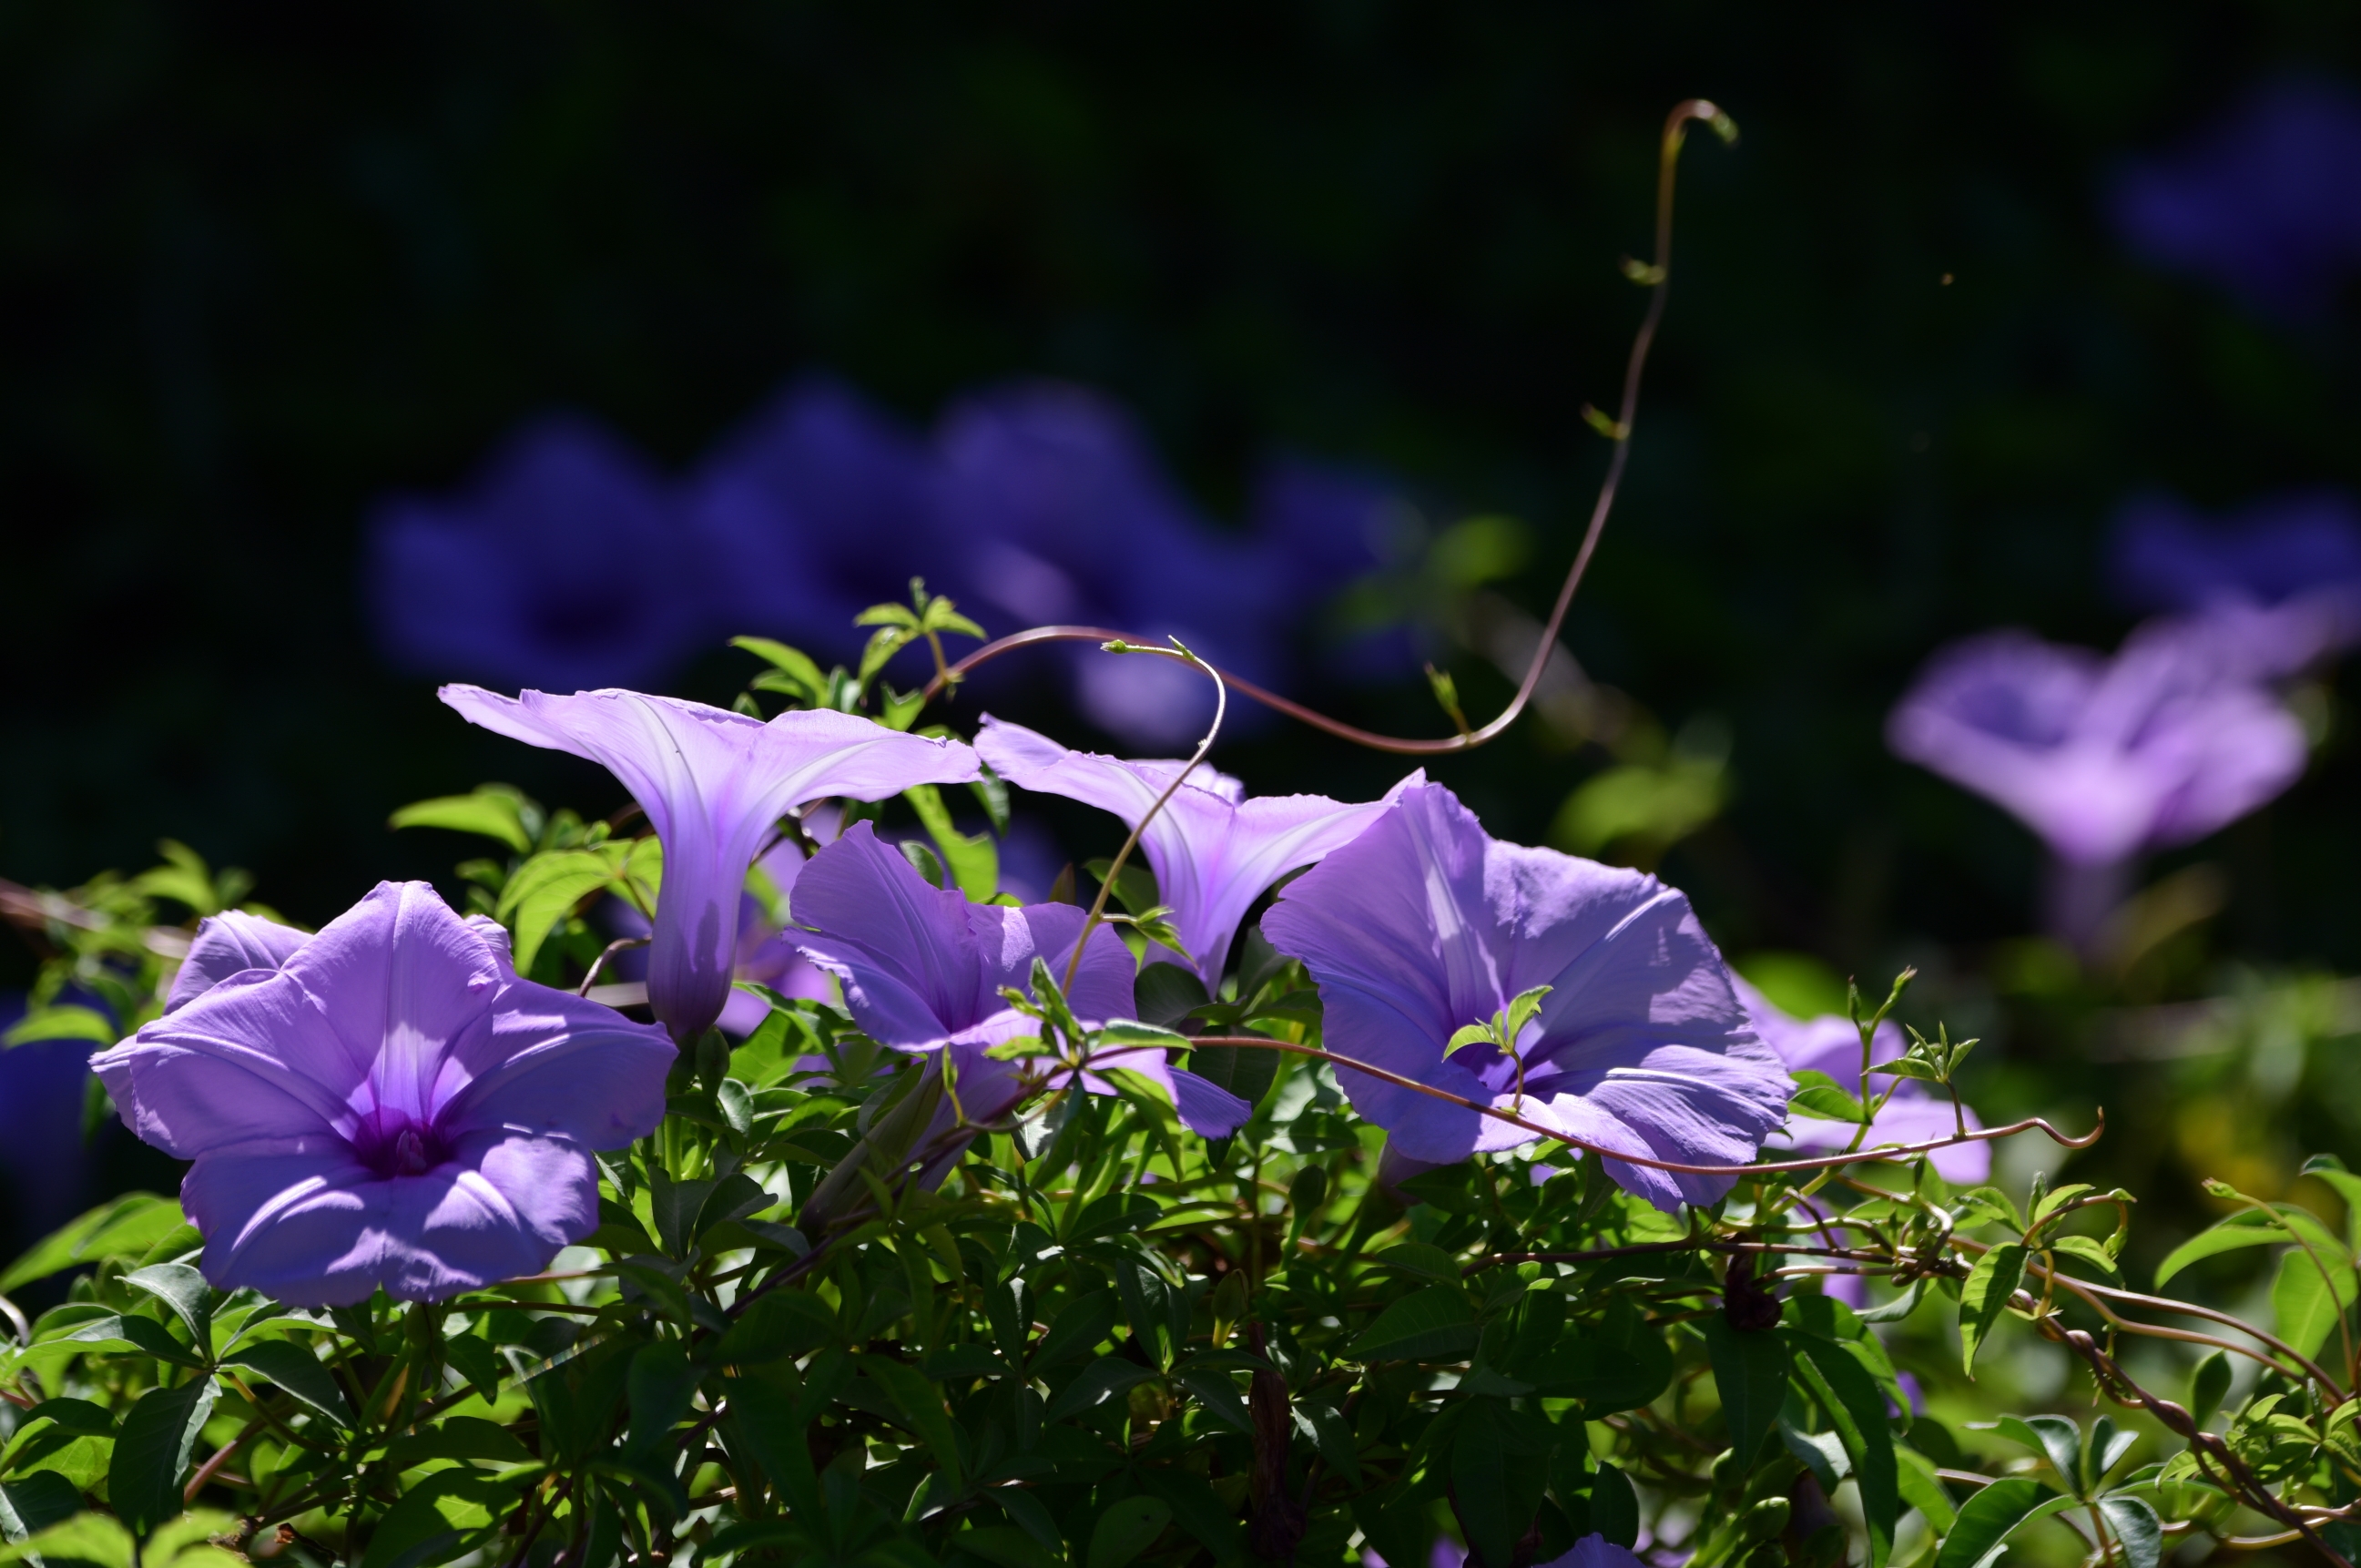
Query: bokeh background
x,y
270,274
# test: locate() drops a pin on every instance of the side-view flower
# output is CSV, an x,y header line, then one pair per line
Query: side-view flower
x,y
389,1106
714,784
1213,850
1425,926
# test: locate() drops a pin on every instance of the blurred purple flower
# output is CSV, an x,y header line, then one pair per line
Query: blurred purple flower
x,y
2266,201
1066,517
922,968
1213,850
392,1107
714,786
566,563
1325,527
2103,757
1425,924
1595,1550
817,506
2278,582
226,944
1917,1113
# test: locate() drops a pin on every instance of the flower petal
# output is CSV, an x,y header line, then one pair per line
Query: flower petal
x,y
231,943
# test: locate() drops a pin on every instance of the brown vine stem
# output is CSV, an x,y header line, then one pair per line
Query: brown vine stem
x,y
1823,1162
1657,277
2120,1387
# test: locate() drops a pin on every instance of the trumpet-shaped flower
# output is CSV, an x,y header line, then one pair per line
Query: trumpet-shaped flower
x,y
2103,758
714,784
1213,850
390,1106
923,971
1426,925
1917,1113
226,944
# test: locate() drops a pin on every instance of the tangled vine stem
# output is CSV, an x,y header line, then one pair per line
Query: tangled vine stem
x,y
1770,1167
1657,278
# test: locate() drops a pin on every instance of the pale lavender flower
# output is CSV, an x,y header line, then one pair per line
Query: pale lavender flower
x,y
1595,1550
568,561
2266,201
2104,759
1425,924
389,1107
714,786
923,971
1213,850
1917,1113
226,944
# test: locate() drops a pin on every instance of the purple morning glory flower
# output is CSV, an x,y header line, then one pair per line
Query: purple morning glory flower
x,y
226,944
1425,924
714,786
390,1107
2277,581
1213,850
566,563
765,955
923,970
818,506
2103,758
1917,1113
2266,201
1066,517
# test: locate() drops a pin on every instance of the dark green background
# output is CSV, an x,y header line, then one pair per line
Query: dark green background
x,y
259,264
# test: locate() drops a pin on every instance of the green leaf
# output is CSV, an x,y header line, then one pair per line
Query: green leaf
x,y
2347,1185
437,1516
1751,1372
1989,1205
920,1402
2090,1250
2208,1386
1003,1547
1987,1520
1614,1506
1420,1259
32,1503
493,811
2054,1438
299,1373
124,1228
62,1022
2249,1227
972,860
1433,1324
72,1438
1219,1395
658,1389
1856,1407
1127,1530
184,1290
804,680
151,1452
2308,1307
1499,1471
1195,1508
1985,1296
1923,1489
1621,1364
2058,1198
1093,1385
1077,1332
457,1437
2137,1530
780,1323
92,1539
1818,1094
543,890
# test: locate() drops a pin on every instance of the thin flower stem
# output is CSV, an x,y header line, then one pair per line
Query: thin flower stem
x,y
1825,1162
1658,277
619,945
1115,869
